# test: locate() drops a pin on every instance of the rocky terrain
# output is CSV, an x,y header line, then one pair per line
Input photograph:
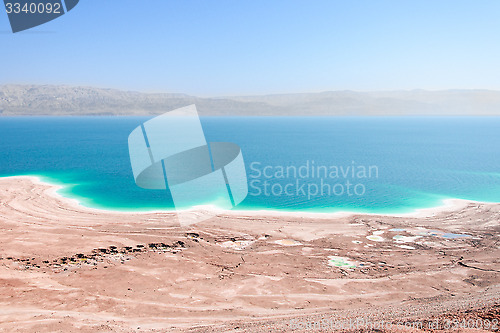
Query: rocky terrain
x,y
67,100
67,268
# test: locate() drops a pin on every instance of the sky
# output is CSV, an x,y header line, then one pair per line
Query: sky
x,y
246,47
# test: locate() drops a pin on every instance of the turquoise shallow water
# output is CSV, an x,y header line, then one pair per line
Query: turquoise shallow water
x,y
414,162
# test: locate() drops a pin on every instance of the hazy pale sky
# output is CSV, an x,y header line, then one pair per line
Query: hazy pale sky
x,y
233,47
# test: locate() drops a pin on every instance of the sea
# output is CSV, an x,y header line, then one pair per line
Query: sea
x,y
385,165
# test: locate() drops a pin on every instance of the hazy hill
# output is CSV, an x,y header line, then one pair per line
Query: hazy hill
x,y
67,100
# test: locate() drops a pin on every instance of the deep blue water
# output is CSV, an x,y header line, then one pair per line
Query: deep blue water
x,y
418,161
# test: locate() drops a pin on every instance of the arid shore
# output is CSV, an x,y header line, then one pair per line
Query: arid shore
x,y
68,268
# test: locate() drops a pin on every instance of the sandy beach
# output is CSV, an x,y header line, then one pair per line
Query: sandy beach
x,y
67,268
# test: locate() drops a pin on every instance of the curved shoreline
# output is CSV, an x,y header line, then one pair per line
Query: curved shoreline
x,y
448,205
126,270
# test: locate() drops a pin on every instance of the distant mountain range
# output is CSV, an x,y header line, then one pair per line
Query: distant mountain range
x,y
66,100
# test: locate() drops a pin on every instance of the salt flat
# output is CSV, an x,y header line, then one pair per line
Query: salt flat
x,y
68,268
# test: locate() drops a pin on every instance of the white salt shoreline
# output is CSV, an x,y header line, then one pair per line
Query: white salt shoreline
x,y
448,205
